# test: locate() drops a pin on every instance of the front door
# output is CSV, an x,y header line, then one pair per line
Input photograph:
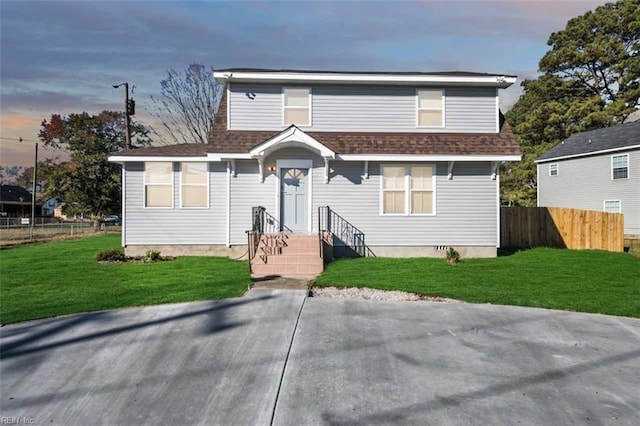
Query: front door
x,y
294,209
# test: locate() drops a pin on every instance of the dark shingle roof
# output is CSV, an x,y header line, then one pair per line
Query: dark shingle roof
x,y
13,193
222,140
609,138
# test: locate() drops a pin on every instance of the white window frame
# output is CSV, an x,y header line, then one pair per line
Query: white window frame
x,y
604,205
628,171
284,107
418,109
208,180
145,184
407,188
557,169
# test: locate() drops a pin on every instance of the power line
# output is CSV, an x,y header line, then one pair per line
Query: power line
x,y
19,139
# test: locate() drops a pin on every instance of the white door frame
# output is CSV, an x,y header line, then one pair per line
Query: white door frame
x,y
297,164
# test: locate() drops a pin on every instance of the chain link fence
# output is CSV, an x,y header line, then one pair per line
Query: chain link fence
x,y
13,229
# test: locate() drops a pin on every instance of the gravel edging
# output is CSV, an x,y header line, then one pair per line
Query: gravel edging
x,y
373,294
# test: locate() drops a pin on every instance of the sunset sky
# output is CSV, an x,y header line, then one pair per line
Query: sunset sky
x,y
63,57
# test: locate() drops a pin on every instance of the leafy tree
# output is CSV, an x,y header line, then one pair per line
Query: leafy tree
x,y
46,168
89,181
591,80
599,52
186,106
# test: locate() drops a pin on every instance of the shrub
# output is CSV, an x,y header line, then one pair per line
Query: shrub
x,y
111,255
153,255
453,256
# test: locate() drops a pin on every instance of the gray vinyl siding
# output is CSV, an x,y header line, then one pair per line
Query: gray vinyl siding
x,y
348,108
585,183
466,206
174,225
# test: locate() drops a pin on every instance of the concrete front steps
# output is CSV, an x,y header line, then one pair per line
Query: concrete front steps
x,y
288,255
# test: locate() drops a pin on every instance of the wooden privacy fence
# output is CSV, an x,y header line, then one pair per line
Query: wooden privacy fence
x,y
562,228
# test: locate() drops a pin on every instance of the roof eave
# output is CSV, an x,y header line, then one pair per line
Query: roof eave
x,y
586,154
500,81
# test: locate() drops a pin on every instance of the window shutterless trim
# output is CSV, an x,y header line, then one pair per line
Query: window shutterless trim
x,y
145,184
407,188
284,107
604,205
626,167
557,169
207,184
442,109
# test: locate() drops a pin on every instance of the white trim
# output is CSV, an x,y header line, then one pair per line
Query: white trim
x,y
497,112
407,188
557,169
180,185
442,102
222,156
290,136
628,169
309,100
498,208
604,205
295,164
450,165
500,81
427,157
604,151
124,206
173,187
228,203
326,170
366,170
538,185
158,158
228,105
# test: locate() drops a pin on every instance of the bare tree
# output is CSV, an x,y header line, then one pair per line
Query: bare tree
x,y
186,106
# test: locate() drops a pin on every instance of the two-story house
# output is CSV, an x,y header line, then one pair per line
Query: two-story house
x,y
404,163
595,170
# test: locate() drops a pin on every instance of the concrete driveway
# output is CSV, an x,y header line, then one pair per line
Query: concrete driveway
x,y
351,362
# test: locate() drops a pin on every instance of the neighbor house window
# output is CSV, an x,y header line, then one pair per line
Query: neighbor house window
x,y
553,169
620,166
158,184
408,189
430,108
194,185
612,206
297,106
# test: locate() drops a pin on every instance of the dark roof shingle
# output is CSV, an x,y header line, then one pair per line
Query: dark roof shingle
x,y
608,138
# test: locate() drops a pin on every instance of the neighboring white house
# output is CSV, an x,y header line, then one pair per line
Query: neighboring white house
x,y
409,161
595,170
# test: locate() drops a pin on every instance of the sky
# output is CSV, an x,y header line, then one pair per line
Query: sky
x,y
64,57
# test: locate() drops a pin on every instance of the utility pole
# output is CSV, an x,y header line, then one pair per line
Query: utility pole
x,y
129,110
33,195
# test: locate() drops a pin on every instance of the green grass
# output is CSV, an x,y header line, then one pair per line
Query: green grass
x,y
50,279
584,281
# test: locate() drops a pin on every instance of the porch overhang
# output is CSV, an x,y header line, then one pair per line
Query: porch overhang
x,y
291,137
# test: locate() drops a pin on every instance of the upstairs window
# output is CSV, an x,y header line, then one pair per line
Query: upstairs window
x,y
553,169
194,185
620,166
158,184
297,106
430,108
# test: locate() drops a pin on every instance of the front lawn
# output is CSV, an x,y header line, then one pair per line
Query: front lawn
x,y
59,278
585,281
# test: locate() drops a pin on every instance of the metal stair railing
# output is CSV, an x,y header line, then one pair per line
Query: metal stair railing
x,y
331,222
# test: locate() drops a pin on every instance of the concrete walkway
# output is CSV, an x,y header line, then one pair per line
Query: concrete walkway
x,y
351,362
